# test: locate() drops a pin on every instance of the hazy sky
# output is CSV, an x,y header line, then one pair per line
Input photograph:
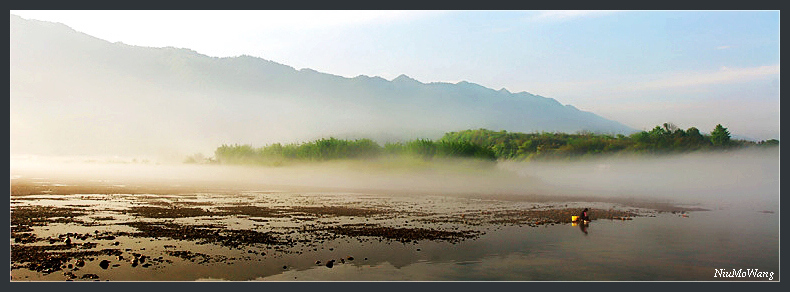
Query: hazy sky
x,y
641,68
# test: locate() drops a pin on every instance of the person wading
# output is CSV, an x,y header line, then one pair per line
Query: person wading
x,y
584,216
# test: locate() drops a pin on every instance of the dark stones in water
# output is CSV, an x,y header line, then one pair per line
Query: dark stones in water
x,y
69,275
104,264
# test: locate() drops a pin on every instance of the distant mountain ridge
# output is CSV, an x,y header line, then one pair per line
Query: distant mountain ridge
x,y
72,93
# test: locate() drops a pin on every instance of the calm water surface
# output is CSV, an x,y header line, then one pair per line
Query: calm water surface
x,y
741,232
667,247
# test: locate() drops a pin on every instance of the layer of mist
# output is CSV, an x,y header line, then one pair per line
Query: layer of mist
x,y
73,94
747,177
744,178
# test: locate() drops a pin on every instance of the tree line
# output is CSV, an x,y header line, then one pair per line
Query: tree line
x,y
666,138
494,145
332,148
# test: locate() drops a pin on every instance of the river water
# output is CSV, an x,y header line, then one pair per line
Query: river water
x,y
737,236
668,247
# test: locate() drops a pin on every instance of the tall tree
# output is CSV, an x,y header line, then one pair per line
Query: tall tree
x,y
720,137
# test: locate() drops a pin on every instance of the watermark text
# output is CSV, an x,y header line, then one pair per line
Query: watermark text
x,y
741,273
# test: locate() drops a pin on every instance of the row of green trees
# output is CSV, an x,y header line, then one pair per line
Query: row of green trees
x,y
319,150
427,149
332,148
492,145
666,138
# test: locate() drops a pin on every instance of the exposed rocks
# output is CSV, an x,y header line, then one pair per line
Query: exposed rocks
x,y
263,231
199,258
339,211
553,216
402,234
204,234
173,212
25,216
252,211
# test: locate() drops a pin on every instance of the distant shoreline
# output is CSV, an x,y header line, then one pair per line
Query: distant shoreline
x,y
484,144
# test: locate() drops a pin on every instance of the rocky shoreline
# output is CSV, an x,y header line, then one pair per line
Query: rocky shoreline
x,y
82,233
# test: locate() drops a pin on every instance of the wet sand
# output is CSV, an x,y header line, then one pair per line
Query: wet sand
x,y
79,231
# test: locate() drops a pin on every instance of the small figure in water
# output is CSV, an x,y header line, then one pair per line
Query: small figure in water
x,y
584,216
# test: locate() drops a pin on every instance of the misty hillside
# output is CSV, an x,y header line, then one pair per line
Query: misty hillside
x,y
73,94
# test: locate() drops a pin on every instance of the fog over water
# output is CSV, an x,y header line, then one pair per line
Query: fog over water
x,y
119,120
744,178
748,178
73,94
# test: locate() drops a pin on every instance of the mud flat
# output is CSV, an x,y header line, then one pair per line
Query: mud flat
x,y
93,232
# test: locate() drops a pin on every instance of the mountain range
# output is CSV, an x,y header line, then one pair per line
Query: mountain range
x,y
74,94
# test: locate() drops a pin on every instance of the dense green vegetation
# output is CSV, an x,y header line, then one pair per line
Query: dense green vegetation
x,y
330,149
662,139
319,150
491,145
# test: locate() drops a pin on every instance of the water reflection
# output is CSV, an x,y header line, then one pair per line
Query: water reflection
x,y
583,227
